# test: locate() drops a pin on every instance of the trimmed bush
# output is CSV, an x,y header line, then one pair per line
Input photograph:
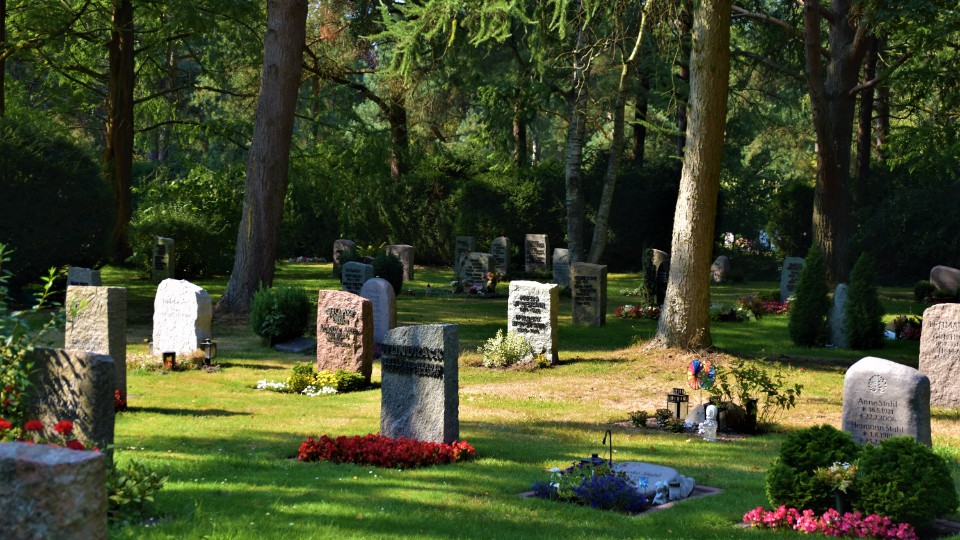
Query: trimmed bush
x,y
279,313
923,289
201,249
791,480
864,312
389,267
808,312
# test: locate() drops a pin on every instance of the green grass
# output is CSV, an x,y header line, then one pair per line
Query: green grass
x,y
228,448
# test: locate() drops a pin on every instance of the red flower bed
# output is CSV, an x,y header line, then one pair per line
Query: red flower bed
x,y
119,401
383,451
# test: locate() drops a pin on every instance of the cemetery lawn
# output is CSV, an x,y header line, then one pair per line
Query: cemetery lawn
x,y
229,450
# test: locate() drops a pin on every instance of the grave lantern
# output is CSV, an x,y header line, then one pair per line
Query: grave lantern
x,y
169,360
679,403
209,348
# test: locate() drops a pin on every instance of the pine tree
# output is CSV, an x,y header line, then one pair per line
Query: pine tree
x,y
808,312
864,312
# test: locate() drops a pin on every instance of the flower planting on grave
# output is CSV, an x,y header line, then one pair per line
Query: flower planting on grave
x,y
32,432
485,287
594,485
119,401
381,451
505,350
304,380
907,327
830,523
630,311
765,392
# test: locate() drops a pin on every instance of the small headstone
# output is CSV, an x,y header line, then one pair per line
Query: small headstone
x,y
561,267
77,386
97,322
660,258
164,259
720,269
945,279
475,267
339,246
380,293
52,492
883,399
640,472
83,277
838,318
354,274
405,254
501,249
940,353
463,246
344,332
532,313
535,250
419,396
589,290
661,265
789,276
182,313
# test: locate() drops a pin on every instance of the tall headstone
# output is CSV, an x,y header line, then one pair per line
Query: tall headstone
x,y
354,274
789,276
77,386
475,267
561,267
463,246
164,259
419,396
380,294
883,399
661,265
838,318
344,332
52,492
940,353
588,285
501,249
83,277
97,322
405,254
532,313
182,313
535,250
720,269
339,246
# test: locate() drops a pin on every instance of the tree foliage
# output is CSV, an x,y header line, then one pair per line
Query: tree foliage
x,y
808,312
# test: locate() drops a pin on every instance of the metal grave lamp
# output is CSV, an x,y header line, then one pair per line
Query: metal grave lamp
x,y
209,348
595,459
169,360
679,403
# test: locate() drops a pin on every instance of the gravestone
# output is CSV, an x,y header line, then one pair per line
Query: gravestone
x,y
354,274
532,313
81,277
720,269
164,259
405,254
561,267
883,399
344,332
182,313
789,276
661,265
838,319
641,473
475,267
535,250
463,246
52,492
384,301
940,353
77,386
501,250
589,290
339,247
945,279
97,322
419,396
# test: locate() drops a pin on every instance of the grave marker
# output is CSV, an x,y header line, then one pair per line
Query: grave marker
x,y
945,279
589,288
380,294
789,276
182,313
354,274
661,265
501,250
405,254
883,399
80,277
463,246
532,313
535,249
339,247
475,267
720,269
940,353
838,319
561,267
419,394
344,332
164,260
97,322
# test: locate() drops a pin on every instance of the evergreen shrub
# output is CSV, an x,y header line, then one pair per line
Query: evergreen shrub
x,y
791,480
808,312
923,289
199,249
864,312
388,266
279,313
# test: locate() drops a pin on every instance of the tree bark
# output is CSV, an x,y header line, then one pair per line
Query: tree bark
x,y
267,165
684,28
399,137
640,107
864,123
685,320
3,58
118,150
576,134
520,158
882,106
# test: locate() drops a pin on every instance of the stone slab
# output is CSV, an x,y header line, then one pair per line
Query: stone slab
x,y
532,311
561,266
720,269
883,399
945,278
83,277
502,249
164,259
462,246
405,253
790,276
341,245
97,322
536,249
344,332
637,471
381,295
940,354
354,274
182,314
837,318
475,267
589,291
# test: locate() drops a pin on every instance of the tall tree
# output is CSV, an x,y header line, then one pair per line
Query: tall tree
x,y
267,165
118,151
685,320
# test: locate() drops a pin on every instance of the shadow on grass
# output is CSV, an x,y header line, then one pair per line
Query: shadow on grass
x,y
186,412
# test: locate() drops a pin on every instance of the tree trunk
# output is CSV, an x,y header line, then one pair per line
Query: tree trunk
x,y
640,106
267,165
681,94
685,320
864,122
520,158
882,106
399,138
3,58
576,135
118,151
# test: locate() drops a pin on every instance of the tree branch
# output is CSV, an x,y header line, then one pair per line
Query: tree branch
x,y
882,77
769,63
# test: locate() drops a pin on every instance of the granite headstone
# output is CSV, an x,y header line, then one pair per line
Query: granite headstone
x,y
501,249
475,267
164,260
945,278
883,399
384,301
532,313
789,276
720,269
340,246
182,314
940,353
536,248
838,318
354,274
589,291
463,246
344,332
97,322
561,267
79,277
405,253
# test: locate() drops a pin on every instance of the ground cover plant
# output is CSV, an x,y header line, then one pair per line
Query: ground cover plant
x,y
229,450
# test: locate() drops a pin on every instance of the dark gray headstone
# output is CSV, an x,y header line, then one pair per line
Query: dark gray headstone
x,y
532,313
463,246
561,267
501,249
77,386
344,332
83,277
940,353
661,266
789,276
588,285
946,279
837,318
164,259
339,247
405,253
182,314
97,322
354,274
419,393
380,294
883,399
720,269
475,267
536,250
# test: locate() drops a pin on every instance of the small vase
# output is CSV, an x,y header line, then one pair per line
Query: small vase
x,y
840,501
